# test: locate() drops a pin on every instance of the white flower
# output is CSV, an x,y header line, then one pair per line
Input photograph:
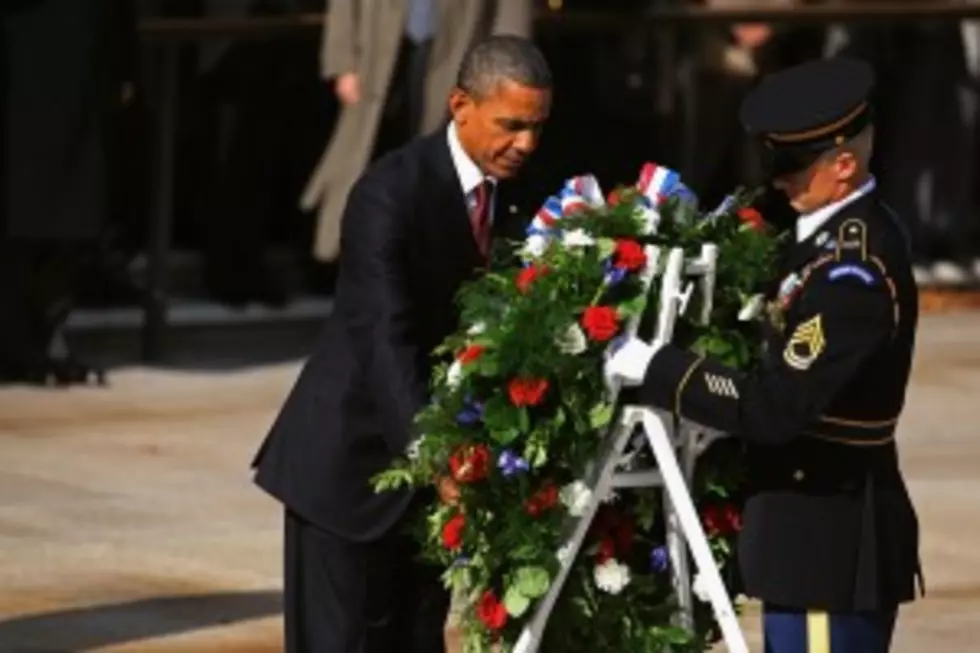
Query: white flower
x,y
534,245
700,588
577,238
476,329
454,375
651,220
751,308
576,497
412,450
572,341
611,576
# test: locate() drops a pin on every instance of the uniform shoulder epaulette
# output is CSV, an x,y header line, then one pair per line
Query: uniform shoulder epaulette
x,y
852,240
851,259
854,262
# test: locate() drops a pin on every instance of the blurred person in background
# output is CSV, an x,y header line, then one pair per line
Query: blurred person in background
x,y
252,127
67,71
927,94
729,61
392,65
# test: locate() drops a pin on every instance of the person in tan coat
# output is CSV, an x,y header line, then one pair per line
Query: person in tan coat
x,y
363,41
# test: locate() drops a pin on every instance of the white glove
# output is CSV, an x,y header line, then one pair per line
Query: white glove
x,y
627,364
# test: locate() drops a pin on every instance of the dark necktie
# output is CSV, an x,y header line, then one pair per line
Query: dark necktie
x,y
480,216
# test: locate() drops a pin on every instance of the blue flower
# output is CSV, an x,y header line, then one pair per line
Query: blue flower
x,y
471,414
511,464
724,207
659,559
614,275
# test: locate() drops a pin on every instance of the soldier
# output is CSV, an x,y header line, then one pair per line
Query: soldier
x,y
830,536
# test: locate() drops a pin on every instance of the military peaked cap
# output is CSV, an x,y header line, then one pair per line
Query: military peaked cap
x,y
806,110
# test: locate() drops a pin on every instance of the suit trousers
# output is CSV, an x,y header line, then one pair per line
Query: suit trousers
x,y
789,630
342,596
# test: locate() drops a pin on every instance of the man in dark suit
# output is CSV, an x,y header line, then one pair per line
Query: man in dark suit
x,y
830,536
418,223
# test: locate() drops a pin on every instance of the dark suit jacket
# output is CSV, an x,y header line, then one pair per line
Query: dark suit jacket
x,y
407,247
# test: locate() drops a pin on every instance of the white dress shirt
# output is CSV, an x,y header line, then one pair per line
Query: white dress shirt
x,y
807,224
470,176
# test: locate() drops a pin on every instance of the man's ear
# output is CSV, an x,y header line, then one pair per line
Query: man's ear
x,y
460,105
847,165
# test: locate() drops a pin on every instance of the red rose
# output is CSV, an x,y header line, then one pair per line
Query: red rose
x,y
751,217
723,520
733,518
470,354
452,532
616,533
600,322
630,255
712,520
661,199
527,276
606,550
527,392
470,464
614,198
491,612
542,500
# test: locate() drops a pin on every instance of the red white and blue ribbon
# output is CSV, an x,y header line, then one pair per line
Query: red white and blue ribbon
x,y
657,182
577,194
581,193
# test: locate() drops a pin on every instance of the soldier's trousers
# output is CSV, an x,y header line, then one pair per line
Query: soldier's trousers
x,y
789,630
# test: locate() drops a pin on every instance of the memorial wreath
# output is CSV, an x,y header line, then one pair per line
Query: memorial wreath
x,y
518,416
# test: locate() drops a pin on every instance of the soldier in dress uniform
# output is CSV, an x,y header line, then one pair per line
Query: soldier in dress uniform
x,y
830,536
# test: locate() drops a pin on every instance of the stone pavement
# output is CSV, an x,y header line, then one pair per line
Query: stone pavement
x,y
128,522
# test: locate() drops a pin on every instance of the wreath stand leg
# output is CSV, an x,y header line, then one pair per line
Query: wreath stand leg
x,y
683,525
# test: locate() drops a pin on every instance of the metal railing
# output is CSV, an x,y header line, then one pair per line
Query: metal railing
x,y
167,34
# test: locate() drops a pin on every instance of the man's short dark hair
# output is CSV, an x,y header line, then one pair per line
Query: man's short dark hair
x,y
502,57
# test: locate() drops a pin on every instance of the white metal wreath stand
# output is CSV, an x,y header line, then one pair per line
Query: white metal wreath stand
x,y
676,447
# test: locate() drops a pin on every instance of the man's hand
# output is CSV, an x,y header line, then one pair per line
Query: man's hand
x,y
752,35
448,491
348,88
627,363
